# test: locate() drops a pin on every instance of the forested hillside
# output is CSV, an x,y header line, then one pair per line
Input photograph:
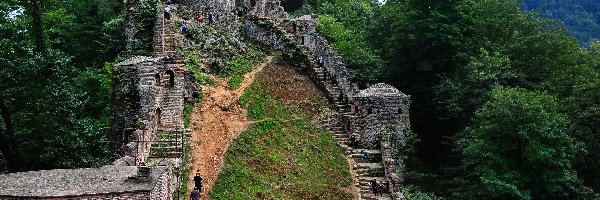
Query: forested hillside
x,y
580,17
505,104
54,90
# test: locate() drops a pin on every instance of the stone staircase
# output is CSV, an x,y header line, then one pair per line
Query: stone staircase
x,y
167,144
364,169
165,36
169,141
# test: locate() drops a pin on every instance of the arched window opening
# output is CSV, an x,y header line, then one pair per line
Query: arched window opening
x,y
399,110
157,79
370,111
171,78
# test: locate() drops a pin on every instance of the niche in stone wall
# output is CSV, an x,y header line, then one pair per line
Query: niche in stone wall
x,y
171,78
400,110
369,111
157,115
157,79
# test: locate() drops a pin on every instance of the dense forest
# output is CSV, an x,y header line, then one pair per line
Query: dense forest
x,y
54,90
581,17
505,104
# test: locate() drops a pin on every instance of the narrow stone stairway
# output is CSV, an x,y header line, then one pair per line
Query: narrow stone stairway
x,y
167,144
165,35
169,141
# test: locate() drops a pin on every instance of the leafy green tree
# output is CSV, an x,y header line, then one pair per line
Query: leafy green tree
x,y
519,148
55,99
470,86
365,64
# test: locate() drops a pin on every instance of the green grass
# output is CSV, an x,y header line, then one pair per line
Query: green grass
x,y
282,156
235,82
185,174
188,107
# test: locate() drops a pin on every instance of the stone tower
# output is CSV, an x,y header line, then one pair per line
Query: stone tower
x,y
379,109
148,97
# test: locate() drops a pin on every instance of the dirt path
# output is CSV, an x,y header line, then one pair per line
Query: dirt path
x,y
214,127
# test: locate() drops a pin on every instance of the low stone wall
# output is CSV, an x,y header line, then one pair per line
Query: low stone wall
x,y
163,189
391,169
108,182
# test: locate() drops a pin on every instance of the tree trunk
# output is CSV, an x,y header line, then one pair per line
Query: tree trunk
x,y
34,9
8,145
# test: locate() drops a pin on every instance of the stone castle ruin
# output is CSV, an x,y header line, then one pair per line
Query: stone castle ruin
x,y
147,103
149,94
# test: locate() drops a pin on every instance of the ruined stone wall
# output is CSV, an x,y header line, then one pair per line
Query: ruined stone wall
x,y
391,168
270,36
163,189
304,30
148,96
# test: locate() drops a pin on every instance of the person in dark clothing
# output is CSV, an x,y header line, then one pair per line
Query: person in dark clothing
x,y
352,141
346,101
198,181
341,96
195,194
210,18
374,187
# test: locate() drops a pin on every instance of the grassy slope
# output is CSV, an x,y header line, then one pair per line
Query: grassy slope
x,y
282,156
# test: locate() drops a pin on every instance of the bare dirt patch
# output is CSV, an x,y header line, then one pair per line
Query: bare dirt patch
x,y
216,121
290,85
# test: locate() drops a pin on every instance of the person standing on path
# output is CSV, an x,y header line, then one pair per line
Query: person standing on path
x,y
198,181
210,18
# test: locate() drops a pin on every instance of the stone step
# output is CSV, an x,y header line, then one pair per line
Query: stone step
x,y
166,148
371,196
366,181
165,155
